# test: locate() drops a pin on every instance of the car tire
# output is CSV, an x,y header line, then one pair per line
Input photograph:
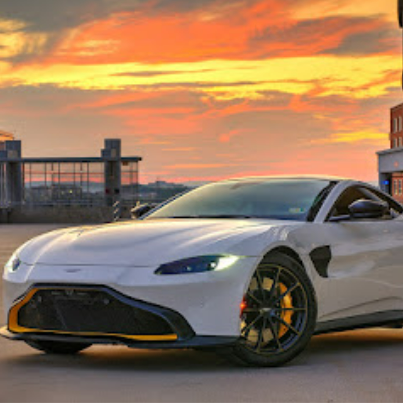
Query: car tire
x,y
56,347
279,314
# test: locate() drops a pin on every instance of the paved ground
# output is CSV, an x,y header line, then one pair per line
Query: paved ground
x,y
361,366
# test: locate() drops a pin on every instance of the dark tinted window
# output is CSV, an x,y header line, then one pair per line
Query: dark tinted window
x,y
348,197
286,199
355,193
393,204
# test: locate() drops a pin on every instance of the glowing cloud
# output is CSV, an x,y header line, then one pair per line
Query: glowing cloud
x,y
354,137
204,89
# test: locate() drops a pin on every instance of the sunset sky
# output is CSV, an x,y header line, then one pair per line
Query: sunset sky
x,y
204,89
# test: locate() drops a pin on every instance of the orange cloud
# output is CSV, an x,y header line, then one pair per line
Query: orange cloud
x,y
226,137
4,136
366,136
254,87
180,149
198,166
242,31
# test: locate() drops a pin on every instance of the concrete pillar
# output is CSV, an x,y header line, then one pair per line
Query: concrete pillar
x,y
111,155
14,179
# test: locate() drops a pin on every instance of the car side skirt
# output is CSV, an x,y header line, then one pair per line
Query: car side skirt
x,y
377,319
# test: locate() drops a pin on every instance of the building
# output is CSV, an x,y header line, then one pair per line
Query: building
x,y
66,189
390,161
5,136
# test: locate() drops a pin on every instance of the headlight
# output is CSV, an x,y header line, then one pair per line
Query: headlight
x,y
198,264
13,264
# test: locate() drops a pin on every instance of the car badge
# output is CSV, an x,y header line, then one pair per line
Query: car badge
x,y
72,270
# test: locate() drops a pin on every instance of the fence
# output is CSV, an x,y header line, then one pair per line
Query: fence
x,y
67,185
56,190
61,183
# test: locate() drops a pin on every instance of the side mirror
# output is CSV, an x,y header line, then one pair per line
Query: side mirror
x,y
368,209
142,209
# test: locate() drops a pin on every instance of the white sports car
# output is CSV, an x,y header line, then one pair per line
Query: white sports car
x,y
250,267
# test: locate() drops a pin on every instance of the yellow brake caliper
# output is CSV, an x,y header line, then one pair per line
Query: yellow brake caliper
x,y
285,315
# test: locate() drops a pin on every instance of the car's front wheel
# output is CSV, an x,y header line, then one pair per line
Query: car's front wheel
x,y
56,347
278,313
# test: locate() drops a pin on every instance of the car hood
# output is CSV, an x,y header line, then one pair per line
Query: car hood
x,y
151,242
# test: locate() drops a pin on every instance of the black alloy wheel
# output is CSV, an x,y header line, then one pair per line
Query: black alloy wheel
x,y
278,314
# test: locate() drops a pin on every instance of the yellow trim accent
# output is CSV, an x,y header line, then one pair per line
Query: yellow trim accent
x,y
14,327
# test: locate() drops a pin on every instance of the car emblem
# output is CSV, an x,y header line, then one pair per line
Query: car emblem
x,y
72,270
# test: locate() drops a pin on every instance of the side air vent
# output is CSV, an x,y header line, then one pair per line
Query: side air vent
x,y
321,258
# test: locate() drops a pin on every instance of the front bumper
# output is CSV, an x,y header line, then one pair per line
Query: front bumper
x,y
89,310
99,315
208,301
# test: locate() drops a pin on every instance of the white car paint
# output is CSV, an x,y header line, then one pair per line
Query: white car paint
x,y
365,274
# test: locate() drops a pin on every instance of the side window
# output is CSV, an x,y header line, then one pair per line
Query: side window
x,y
349,196
395,207
355,193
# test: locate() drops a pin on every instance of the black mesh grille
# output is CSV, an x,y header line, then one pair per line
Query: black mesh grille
x,y
77,310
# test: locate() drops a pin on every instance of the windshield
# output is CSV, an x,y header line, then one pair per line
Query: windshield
x,y
283,199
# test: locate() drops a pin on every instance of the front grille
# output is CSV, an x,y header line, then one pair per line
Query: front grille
x,y
88,311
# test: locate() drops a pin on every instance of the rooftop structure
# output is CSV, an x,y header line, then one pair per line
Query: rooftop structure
x,y
5,136
390,161
67,181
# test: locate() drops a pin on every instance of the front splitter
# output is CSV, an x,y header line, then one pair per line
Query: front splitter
x,y
193,342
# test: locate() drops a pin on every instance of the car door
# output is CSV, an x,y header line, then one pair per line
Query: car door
x,y
365,272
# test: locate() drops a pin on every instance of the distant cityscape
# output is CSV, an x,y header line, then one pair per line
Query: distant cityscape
x,y
66,192
159,191
95,184
92,188
82,181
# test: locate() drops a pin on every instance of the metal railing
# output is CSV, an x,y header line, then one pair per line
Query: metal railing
x,y
117,210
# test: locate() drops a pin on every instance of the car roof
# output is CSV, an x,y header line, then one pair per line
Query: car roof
x,y
293,177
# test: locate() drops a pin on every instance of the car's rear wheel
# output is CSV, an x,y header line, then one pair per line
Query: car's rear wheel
x,y
56,347
278,313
